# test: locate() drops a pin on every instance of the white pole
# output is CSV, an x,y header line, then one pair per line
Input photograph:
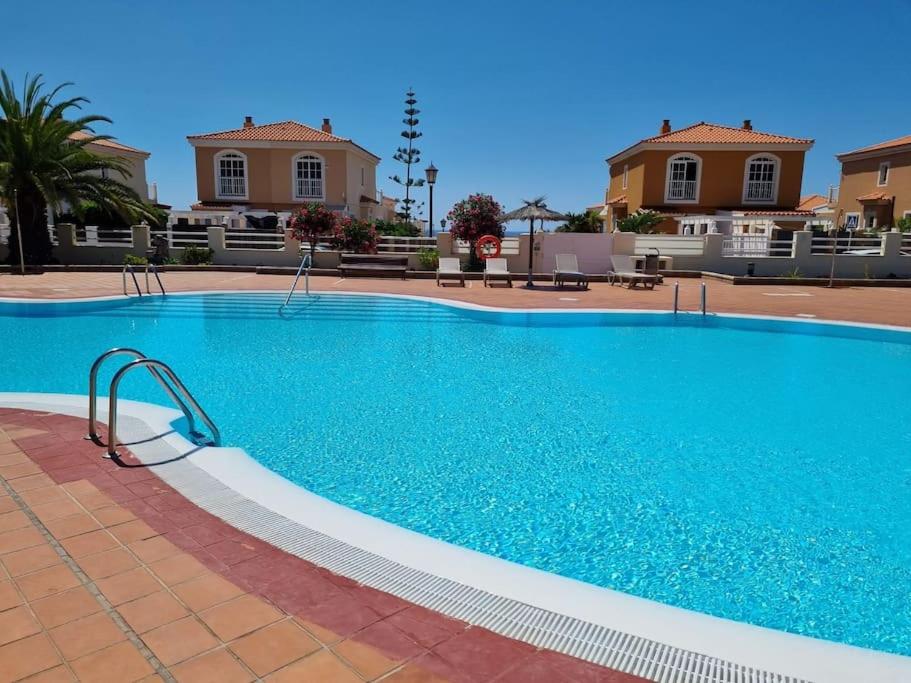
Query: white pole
x,y
19,232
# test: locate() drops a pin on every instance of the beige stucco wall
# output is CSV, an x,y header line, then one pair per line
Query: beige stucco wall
x,y
860,177
270,177
137,167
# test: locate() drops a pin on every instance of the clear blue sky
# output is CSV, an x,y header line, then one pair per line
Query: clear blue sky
x,y
517,98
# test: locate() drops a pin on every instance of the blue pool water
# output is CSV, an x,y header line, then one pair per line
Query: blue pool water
x,y
754,470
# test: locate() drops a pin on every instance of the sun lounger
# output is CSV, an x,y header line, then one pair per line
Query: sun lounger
x,y
622,268
567,268
450,269
496,269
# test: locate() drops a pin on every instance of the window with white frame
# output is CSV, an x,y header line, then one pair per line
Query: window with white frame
x,y
231,175
869,220
363,176
625,176
883,178
308,177
761,182
682,178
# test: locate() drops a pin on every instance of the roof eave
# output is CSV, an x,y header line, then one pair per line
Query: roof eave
x,y
859,154
802,145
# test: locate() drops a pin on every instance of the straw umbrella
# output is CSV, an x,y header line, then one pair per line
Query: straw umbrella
x,y
533,210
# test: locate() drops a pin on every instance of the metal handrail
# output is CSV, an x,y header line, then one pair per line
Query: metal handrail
x,y
93,391
128,267
154,269
305,263
157,365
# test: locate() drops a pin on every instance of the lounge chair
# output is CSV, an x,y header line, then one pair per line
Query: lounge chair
x,y
496,269
450,269
567,268
622,268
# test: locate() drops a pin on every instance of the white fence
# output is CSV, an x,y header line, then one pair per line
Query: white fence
x,y
848,246
759,246
390,244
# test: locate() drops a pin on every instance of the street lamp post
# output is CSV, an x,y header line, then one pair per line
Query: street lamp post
x,y
431,173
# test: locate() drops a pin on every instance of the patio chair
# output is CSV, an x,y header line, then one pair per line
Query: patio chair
x,y
450,269
567,268
622,268
496,269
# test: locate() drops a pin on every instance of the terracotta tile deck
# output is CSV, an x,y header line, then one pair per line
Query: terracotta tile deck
x,y
885,305
108,574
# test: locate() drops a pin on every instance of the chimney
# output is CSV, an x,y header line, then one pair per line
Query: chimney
x,y
747,124
248,122
665,127
327,127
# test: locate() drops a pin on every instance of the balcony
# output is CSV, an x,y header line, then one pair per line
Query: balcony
x,y
308,189
681,190
232,187
760,191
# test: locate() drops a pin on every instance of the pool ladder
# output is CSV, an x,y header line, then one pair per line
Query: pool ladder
x,y
178,393
304,268
128,268
677,298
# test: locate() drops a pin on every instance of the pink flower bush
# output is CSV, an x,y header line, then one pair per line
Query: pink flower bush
x,y
474,217
353,235
311,222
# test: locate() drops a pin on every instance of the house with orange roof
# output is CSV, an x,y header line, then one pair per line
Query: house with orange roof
x,y
711,178
279,166
875,185
134,158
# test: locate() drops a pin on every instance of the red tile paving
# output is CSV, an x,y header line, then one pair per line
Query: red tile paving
x,y
885,305
207,601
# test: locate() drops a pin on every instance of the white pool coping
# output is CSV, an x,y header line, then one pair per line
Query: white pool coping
x,y
789,656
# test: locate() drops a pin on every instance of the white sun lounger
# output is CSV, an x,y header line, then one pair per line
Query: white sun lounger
x,y
450,269
496,269
622,268
567,268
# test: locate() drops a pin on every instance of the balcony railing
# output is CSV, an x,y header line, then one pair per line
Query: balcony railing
x,y
309,189
760,191
232,187
681,189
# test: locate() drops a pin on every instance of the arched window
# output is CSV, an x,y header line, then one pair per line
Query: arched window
x,y
761,179
230,175
308,176
683,173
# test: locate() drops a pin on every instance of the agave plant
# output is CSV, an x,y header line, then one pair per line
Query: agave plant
x,y
44,164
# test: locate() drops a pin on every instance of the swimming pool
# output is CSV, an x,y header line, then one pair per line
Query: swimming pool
x,y
755,470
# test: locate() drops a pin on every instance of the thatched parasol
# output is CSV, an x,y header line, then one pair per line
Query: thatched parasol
x,y
533,210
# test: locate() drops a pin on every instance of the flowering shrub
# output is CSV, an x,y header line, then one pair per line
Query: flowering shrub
x,y
311,222
474,217
352,235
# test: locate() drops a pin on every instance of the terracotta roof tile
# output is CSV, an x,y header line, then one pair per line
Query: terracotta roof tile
x,y
113,144
795,213
283,131
873,197
812,201
710,133
888,144
619,199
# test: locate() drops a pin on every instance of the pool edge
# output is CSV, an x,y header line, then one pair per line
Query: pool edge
x,y
595,624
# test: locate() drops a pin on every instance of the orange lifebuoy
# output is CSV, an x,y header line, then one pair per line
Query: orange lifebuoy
x,y
481,248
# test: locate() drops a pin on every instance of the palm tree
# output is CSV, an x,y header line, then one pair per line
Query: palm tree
x,y
43,167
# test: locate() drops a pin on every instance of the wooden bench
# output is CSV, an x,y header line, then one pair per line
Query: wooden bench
x,y
371,264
